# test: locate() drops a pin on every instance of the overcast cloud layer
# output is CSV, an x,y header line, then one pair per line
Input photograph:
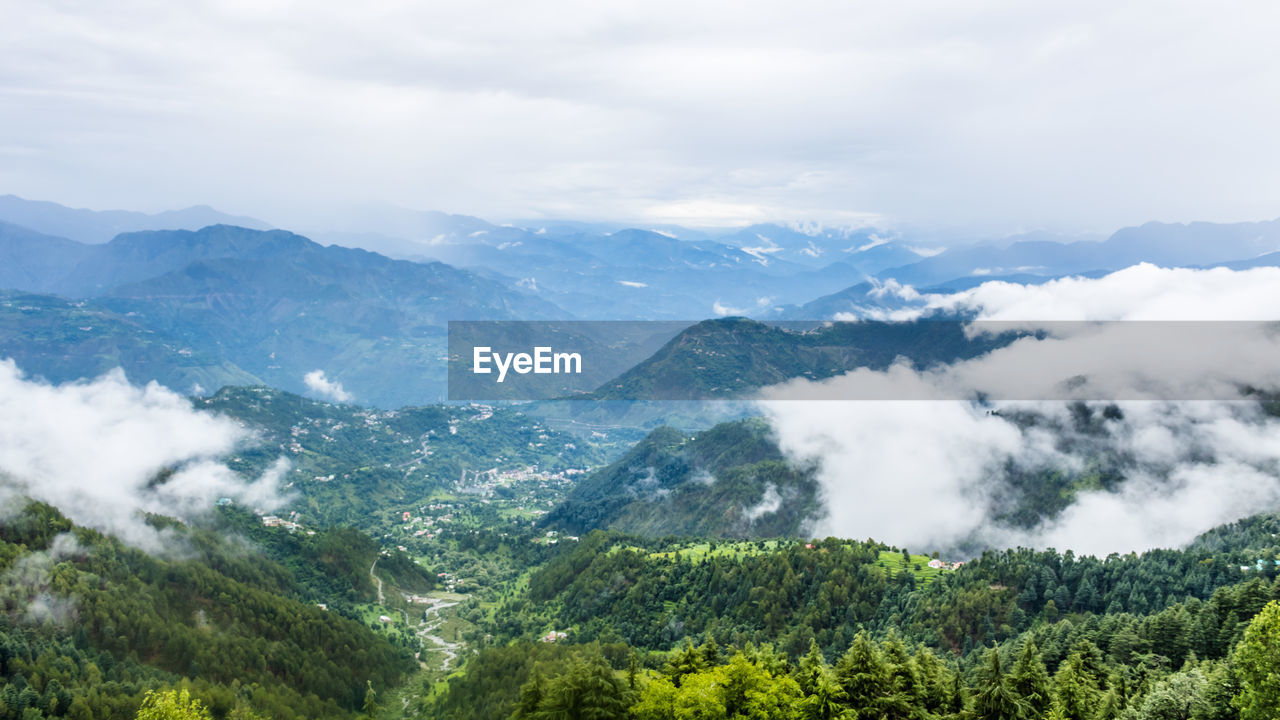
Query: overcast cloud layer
x,y
995,115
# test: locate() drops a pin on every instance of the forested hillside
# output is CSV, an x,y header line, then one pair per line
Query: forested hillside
x,y
88,625
727,481
836,629
732,357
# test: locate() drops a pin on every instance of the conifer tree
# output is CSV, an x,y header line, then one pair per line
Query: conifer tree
x,y
863,676
1256,660
995,700
1029,681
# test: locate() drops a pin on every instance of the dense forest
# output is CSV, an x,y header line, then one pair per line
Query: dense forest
x,y
705,485
89,625
838,629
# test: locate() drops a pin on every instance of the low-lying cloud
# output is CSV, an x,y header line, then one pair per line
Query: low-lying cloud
x,y
105,452
770,502
940,473
1140,292
27,586
328,389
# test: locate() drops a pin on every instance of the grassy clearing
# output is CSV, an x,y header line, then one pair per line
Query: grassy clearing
x,y
703,550
894,564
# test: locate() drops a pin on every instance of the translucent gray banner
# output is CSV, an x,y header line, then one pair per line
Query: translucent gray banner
x,y
735,358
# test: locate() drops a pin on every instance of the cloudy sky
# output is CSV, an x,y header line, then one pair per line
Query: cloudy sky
x,y
997,116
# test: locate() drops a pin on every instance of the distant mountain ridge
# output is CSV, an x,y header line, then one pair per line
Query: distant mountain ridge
x,y
99,226
266,305
604,271
1165,244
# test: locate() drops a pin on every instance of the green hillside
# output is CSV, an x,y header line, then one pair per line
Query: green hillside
x,y
705,485
63,340
665,628
87,624
732,357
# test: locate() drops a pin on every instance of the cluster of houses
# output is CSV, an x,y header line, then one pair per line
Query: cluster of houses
x,y
291,524
485,482
551,538
427,524
937,564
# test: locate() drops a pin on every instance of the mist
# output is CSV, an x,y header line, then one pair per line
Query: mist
x,y
105,453
27,584
1192,449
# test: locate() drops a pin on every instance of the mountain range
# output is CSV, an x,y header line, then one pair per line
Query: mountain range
x,y
225,303
265,304
99,226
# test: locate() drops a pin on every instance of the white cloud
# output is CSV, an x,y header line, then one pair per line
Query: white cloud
x,y
769,503
324,387
875,242
914,465
633,284
929,474
1140,292
722,310
94,450
904,472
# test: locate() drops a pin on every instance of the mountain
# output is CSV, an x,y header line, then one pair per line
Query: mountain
x,y
1267,260
1044,258
640,274
603,271
98,226
728,481
732,480
732,357
1164,244
270,305
63,341
869,250
876,299
33,261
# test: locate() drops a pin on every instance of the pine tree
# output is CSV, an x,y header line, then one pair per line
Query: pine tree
x,y
1255,660
811,669
905,697
995,701
826,700
710,652
531,694
863,676
1029,681
1077,691
685,662
587,691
